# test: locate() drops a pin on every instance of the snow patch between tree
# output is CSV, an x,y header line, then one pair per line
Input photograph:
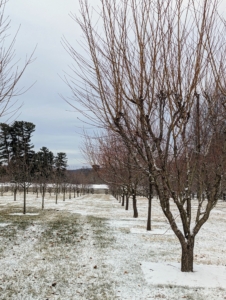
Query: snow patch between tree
x,y
27,214
163,231
204,276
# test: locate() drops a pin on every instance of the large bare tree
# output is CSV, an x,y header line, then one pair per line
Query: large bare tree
x,y
151,71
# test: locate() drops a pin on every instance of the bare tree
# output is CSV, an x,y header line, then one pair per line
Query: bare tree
x,y
10,73
152,74
116,166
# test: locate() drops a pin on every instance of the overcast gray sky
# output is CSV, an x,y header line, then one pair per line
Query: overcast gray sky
x,y
43,23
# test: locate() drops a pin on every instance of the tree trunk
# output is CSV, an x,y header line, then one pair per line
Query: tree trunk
x,y
135,211
56,193
43,195
24,208
127,201
14,192
64,192
187,256
123,199
149,206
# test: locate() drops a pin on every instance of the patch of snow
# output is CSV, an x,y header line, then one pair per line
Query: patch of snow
x,y
164,231
124,223
218,211
99,186
21,214
205,276
4,224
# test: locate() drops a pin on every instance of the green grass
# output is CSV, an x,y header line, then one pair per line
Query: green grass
x,y
101,234
62,230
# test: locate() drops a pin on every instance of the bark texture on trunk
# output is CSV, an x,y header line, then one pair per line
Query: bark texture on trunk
x,y
149,213
123,199
149,206
135,211
127,201
187,256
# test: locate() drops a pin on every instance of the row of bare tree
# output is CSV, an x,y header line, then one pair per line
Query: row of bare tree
x,y
153,78
72,185
70,189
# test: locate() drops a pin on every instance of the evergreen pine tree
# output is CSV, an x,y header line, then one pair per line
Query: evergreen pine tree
x,y
21,146
60,165
22,155
44,161
5,140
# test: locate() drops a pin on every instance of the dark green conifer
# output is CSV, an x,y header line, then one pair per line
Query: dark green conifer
x,y
5,141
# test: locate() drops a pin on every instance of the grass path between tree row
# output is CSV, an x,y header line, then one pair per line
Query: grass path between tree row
x,y
91,248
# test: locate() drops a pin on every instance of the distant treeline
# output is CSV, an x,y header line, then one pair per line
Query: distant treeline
x,y
84,176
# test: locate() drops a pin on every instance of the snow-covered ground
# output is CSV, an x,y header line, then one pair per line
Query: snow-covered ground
x,y
91,248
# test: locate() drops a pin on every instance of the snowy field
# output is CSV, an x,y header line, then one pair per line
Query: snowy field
x,y
91,248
